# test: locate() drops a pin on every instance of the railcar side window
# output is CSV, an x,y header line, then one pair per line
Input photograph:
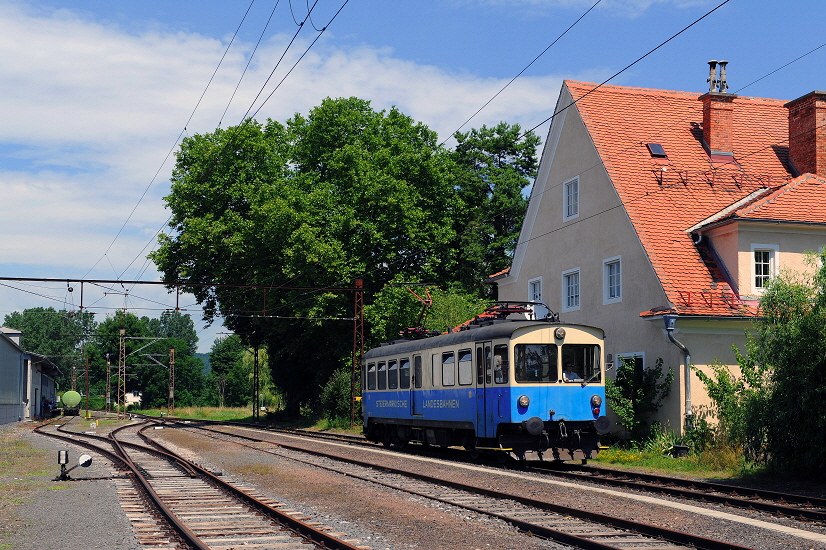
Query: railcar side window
x,y
436,370
465,367
404,374
371,376
448,369
500,364
580,363
392,374
536,363
382,375
417,370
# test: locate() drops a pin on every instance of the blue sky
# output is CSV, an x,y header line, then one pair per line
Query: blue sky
x,y
94,95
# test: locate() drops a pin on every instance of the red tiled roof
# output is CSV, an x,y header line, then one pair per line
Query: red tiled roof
x,y
666,197
499,274
802,200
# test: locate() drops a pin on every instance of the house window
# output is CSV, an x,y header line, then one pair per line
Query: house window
x,y
535,290
612,280
636,360
570,290
535,295
764,265
571,199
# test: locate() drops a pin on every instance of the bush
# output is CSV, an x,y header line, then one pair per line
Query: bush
x,y
335,397
637,393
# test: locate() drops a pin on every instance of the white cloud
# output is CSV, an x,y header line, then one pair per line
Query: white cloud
x,y
90,112
623,8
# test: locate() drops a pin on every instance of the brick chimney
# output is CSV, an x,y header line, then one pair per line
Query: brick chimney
x,y
718,115
807,134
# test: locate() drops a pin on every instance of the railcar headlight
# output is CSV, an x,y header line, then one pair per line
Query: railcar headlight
x,y
596,401
523,401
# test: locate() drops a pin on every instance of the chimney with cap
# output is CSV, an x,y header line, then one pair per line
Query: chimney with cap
x,y
807,134
718,112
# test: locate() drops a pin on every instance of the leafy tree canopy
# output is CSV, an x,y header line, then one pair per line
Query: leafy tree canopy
x,y
346,192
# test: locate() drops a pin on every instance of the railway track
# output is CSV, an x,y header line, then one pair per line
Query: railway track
x,y
576,527
780,504
199,509
799,507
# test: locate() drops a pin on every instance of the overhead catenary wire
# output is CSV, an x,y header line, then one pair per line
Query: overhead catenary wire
x,y
245,117
511,81
649,52
152,181
658,133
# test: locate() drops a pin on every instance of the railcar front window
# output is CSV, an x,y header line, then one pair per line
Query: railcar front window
x,y
392,375
382,375
536,363
501,364
581,363
465,367
448,370
404,374
371,376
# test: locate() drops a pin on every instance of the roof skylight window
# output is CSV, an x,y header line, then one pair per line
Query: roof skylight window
x,y
656,150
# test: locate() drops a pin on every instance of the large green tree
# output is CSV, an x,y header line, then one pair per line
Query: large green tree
x,y
305,208
495,165
148,342
230,374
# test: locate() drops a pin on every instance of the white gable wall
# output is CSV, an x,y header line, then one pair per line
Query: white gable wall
x,y
549,246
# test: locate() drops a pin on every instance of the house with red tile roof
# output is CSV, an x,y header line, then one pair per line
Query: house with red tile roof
x,y
651,203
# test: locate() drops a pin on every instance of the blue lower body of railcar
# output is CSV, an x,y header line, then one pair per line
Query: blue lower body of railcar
x,y
556,418
553,417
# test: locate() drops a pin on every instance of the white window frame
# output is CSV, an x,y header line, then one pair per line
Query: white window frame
x,y
570,208
606,280
539,312
774,253
565,296
618,357
534,283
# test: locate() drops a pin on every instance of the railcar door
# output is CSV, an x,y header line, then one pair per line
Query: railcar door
x,y
483,379
416,386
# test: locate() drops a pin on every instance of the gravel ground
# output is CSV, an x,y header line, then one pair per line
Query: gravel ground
x,y
381,518
76,514
87,514
599,501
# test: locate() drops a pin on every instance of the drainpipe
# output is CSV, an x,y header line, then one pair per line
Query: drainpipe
x,y
670,323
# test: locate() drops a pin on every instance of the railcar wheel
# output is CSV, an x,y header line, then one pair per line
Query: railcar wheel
x,y
474,453
502,456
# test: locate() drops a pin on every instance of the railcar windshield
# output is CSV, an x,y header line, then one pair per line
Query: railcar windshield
x,y
536,363
371,376
581,363
501,365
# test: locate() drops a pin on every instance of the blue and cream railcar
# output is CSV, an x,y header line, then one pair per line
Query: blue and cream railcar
x,y
511,385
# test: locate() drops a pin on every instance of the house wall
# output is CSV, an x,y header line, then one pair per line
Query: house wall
x,y
11,382
550,246
733,243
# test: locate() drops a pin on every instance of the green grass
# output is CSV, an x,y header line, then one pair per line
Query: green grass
x,y
237,414
716,462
